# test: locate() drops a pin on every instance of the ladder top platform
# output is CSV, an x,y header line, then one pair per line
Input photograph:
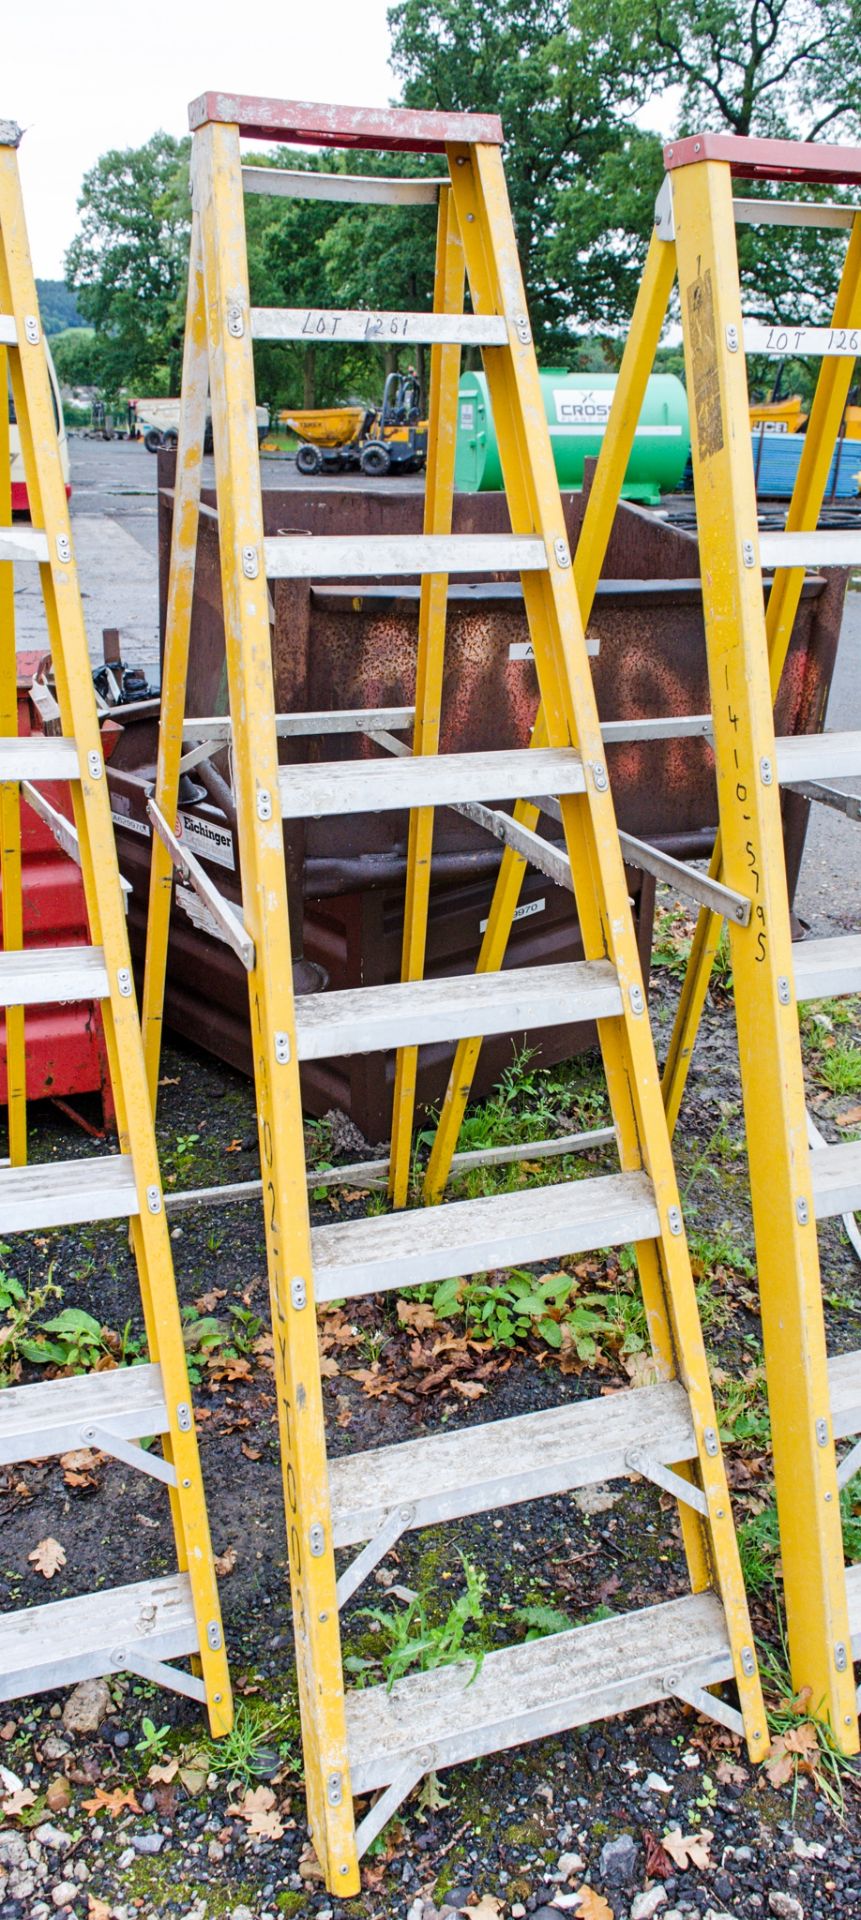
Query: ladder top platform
x,y
304,123
768,159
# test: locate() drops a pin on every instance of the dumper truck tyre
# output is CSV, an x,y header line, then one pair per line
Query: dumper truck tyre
x,y
170,439
153,440
308,459
375,459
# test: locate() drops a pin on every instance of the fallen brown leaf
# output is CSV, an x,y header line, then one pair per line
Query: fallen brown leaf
x,y
257,1808
688,1849
418,1314
469,1390
16,1803
329,1368
730,1775
659,1866
592,1906
251,1453
113,1802
225,1562
98,1909
47,1558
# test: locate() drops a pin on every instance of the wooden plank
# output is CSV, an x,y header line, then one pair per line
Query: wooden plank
x,y
538,1688
324,556
316,325
377,786
473,1236
367,1019
473,1469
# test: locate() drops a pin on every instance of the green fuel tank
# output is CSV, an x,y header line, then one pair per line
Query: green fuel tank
x,y
577,406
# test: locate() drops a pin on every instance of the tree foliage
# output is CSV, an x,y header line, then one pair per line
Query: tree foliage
x,y
128,263
57,306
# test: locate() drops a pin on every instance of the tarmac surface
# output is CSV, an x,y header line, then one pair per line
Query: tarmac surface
x,y
115,516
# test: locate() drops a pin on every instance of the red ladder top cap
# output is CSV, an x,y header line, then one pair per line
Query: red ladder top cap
x,y
381,129
769,159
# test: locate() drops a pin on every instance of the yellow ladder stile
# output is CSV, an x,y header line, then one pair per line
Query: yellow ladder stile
x,y
374,1741
10,809
143,1626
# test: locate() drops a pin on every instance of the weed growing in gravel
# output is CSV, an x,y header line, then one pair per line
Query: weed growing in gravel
x,y
743,1411
255,1745
413,1640
18,1332
839,1067
803,1745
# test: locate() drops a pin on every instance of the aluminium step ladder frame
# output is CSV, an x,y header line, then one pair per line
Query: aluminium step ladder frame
x,y
144,1626
822,1597
305,1264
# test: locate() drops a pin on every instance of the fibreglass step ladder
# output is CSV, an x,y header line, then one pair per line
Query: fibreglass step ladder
x,y
791,1188
145,1626
376,1741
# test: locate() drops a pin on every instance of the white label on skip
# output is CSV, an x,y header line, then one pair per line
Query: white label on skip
x,y
525,912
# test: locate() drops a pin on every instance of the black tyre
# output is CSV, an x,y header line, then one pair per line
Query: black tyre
x,y
170,440
375,459
153,440
308,460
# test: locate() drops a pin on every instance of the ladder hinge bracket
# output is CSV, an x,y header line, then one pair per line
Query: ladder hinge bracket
x,y
64,549
282,1049
183,1417
732,339
31,329
674,1219
94,765
317,1540
711,1442
250,563
748,553
298,1293
665,224
133,1456
264,804
124,982
637,999
334,1789
235,321
522,328
599,777
562,552
387,1533
153,1199
840,1656
802,1211
766,771
784,991
706,1703
160,1673
637,1460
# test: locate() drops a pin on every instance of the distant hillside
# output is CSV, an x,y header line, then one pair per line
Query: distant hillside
x,y
57,306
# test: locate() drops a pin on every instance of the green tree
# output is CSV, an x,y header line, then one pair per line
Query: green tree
x,y
128,263
57,306
77,358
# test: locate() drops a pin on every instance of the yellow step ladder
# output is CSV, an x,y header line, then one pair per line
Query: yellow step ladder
x,y
812,1404
143,1627
374,1741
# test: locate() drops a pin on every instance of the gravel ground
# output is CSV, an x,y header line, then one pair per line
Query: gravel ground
x,y
114,1802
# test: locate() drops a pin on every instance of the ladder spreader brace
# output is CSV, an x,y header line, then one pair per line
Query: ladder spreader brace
x,y
143,1627
694,240
378,1742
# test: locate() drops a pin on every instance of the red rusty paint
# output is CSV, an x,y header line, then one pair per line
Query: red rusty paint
x,y
65,1047
379,129
769,159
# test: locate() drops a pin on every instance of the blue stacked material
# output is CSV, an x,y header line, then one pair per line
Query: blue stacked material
x,y
775,463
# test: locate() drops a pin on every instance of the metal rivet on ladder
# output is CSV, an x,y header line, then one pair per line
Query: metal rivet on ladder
x,y
522,328
840,1661
674,1219
710,1441
94,765
250,563
599,776
748,553
282,1048
822,1433
153,1199
31,329
264,804
748,1663
298,1292
213,1635
802,1211
124,981
784,991
635,995
334,1790
235,322
766,771
64,549
316,1540
732,339
562,552
183,1417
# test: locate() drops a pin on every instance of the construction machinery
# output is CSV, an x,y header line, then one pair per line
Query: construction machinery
x,y
335,439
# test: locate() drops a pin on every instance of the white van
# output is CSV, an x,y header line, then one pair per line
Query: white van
x,y
20,503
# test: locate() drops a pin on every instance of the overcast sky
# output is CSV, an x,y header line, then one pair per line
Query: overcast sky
x,y
82,78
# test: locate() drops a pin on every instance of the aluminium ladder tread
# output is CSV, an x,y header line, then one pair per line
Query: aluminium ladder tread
x,y
836,1174
378,326
818,756
471,1236
538,1688
51,1416
853,1595
844,1381
38,756
416,1012
444,1476
66,1641
39,976
65,1193
23,543
340,556
826,968
334,787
